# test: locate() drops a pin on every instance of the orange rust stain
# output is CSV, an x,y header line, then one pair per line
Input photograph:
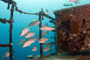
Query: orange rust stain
x,y
65,17
74,27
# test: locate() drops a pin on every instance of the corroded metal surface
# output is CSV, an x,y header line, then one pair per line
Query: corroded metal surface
x,y
73,28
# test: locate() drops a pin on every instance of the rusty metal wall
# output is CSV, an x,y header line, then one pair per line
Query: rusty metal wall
x,y
73,28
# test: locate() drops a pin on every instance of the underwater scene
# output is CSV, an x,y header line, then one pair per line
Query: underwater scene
x,y
44,29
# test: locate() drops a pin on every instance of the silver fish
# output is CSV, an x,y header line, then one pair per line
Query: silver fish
x,y
43,40
33,56
47,12
34,22
29,34
73,0
77,2
34,48
67,4
47,48
21,41
29,42
24,31
46,28
6,54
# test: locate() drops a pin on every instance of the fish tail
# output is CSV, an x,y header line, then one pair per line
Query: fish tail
x,y
54,30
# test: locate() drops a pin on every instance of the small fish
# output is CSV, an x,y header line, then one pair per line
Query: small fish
x,y
67,4
24,31
46,48
77,2
46,28
73,0
34,48
34,22
6,54
29,42
43,40
44,33
29,34
32,56
21,41
47,12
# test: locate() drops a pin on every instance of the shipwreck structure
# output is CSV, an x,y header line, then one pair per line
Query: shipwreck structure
x,y
73,28
73,33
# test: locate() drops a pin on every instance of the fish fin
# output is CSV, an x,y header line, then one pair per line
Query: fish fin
x,y
55,29
77,2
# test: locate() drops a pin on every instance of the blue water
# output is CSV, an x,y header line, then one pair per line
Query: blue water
x,y
22,20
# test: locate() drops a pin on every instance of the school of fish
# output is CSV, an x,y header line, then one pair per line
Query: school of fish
x,y
29,34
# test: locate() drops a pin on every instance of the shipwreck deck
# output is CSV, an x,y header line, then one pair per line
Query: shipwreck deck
x,y
76,55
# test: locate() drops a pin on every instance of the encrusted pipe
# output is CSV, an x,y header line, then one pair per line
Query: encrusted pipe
x,y
10,30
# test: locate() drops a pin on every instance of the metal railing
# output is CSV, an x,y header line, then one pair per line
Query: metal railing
x,y
40,14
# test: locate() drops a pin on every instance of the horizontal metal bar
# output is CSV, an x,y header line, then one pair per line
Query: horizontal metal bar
x,y
4,20
49,43
4,45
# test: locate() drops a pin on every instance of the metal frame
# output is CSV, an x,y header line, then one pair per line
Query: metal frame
x,y
10,33
41,14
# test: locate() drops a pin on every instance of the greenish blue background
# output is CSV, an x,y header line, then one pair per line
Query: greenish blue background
x,y
22,20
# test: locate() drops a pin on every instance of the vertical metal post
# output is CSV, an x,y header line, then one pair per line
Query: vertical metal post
x,y
40,35
10,30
